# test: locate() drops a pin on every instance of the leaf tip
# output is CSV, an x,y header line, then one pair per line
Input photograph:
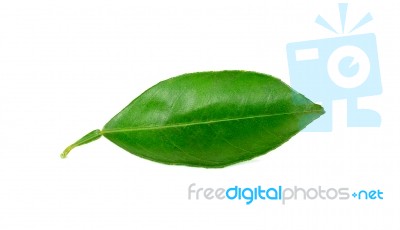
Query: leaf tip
x,y
320,109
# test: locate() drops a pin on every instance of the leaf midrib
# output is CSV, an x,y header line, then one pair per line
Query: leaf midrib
x,y
204,122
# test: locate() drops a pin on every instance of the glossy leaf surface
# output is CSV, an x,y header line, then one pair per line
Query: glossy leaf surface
x,y
209,119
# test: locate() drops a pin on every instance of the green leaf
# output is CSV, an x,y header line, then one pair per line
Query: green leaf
x,y
209,119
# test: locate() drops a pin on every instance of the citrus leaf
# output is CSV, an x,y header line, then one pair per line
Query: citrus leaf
x,y
209,119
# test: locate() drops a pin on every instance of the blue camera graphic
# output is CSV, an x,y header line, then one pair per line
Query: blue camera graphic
x,y
337,68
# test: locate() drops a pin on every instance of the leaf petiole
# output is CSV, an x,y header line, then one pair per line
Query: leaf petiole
x,y
92,136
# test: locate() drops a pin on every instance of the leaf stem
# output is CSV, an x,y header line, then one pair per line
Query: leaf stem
x,y
92,136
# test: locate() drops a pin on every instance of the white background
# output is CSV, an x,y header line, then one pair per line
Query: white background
x,y
66,67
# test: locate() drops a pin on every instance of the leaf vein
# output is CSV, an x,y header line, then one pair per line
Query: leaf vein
x,y
202,122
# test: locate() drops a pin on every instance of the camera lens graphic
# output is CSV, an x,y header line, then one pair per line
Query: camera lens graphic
x,y
348,66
